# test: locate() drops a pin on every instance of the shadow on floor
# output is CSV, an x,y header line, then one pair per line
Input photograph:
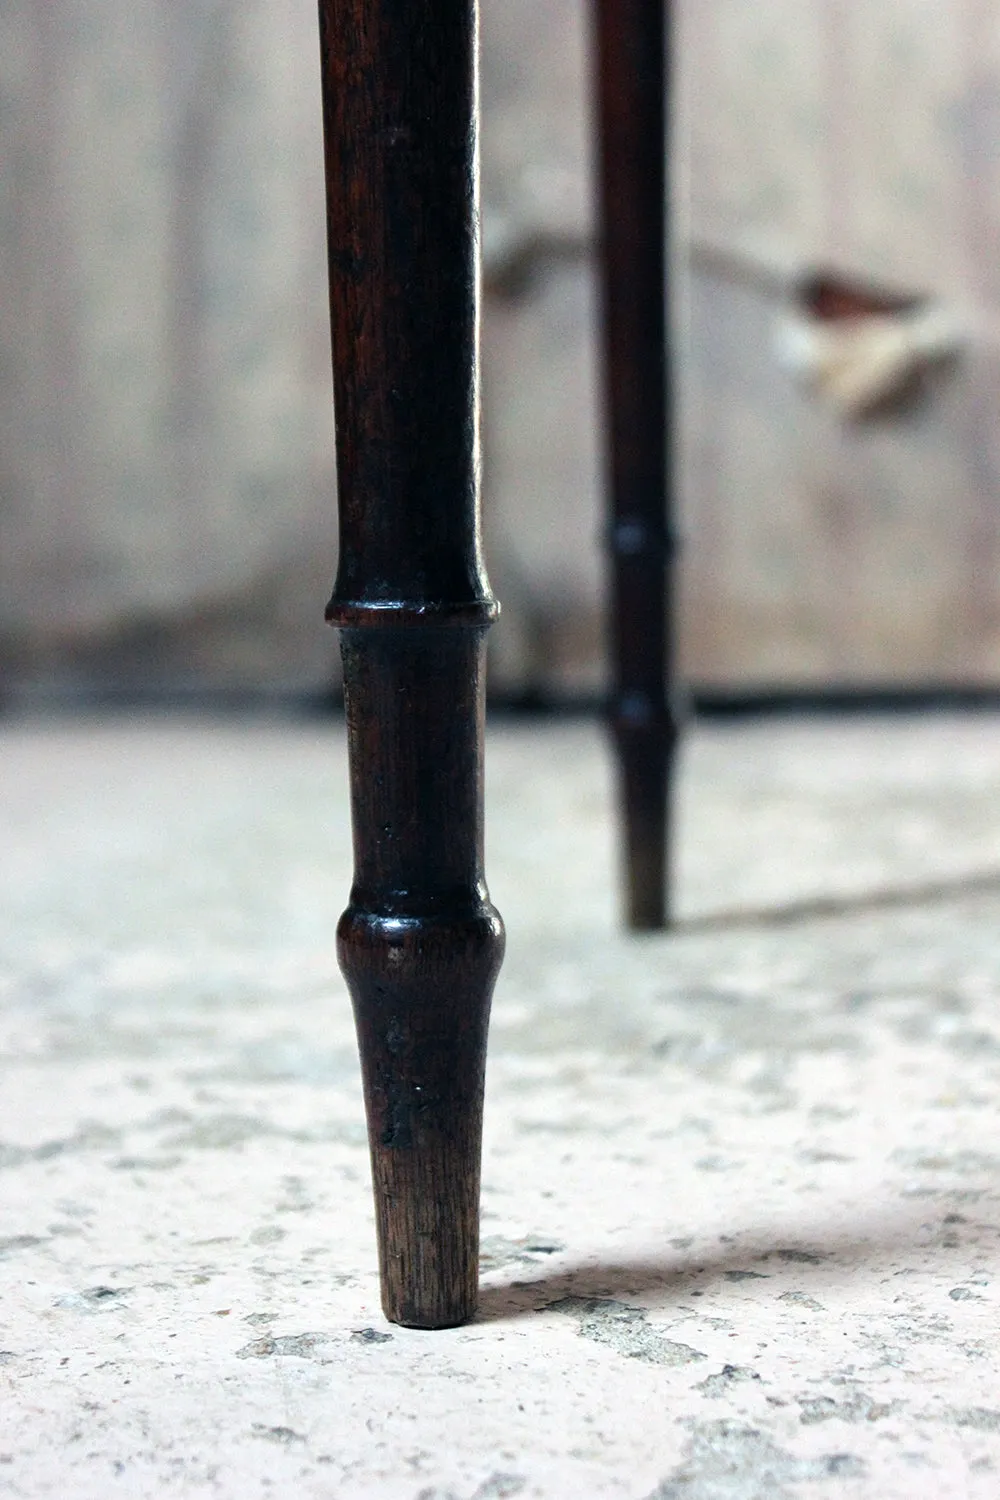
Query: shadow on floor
x,y
798,1269
816,908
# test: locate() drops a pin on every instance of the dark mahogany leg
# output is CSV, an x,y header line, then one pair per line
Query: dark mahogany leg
x,y
631,72
420,943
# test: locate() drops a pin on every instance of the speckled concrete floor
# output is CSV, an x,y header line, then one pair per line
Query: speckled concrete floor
x,y
740,1210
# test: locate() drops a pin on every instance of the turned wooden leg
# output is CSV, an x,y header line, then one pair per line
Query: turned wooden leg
x,y
420,944
631,70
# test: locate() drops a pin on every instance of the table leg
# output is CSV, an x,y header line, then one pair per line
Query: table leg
x,y
420,944
632,69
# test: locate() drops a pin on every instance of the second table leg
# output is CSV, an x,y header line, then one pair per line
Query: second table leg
x,y
632,70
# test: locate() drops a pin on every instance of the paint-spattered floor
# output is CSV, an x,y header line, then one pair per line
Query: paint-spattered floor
x,y
741,1211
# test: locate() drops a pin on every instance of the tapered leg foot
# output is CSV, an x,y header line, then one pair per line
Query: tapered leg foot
x,y
644,752
420,945
421,990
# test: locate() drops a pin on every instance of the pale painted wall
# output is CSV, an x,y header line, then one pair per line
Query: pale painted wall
x,y
166,462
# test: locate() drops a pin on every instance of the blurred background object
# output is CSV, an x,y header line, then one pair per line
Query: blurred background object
x,y
166,438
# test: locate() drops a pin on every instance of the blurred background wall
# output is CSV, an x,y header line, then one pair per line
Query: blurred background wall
x,y
166,444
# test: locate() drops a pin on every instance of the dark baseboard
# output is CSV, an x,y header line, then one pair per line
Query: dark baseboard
x,y
708,703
